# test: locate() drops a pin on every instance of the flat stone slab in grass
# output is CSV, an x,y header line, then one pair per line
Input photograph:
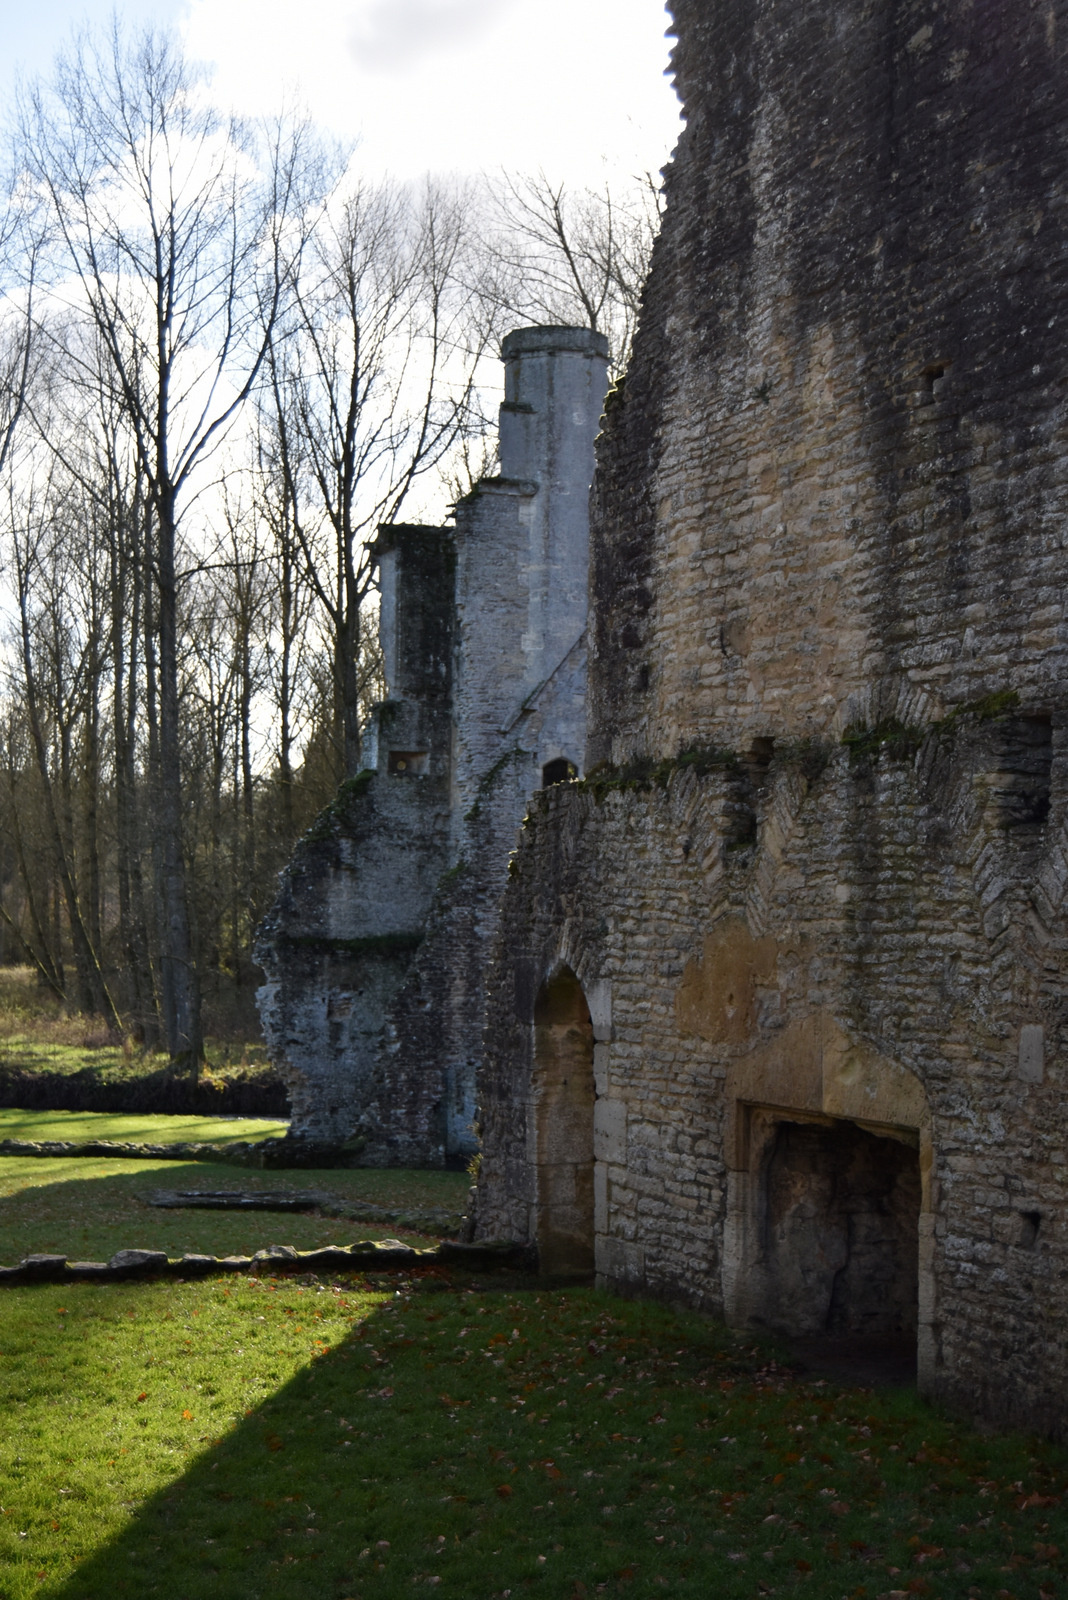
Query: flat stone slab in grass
x,y
436,1220
46,1268
239,1199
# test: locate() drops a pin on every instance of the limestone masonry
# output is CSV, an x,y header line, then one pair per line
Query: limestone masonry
x,y
376,947
777,1019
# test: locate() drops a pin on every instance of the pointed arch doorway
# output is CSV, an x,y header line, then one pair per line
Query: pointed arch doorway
x,y
563,1102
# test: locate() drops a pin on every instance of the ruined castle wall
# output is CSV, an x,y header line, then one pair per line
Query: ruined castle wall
x,y
862,960
519,700
376,948
840,451
821,881
338,943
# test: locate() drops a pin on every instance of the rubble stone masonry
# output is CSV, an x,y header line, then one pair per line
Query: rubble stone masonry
x,y
812,889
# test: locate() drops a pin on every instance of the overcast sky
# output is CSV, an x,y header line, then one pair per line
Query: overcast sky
x,y
575,87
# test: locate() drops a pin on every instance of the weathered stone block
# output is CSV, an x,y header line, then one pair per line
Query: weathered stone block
x,y
610,1130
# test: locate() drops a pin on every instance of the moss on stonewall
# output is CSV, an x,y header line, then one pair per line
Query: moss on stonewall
x,y
326,823
644,773
488,779
891,737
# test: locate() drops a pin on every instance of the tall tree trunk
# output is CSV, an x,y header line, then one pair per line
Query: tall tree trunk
x,y
347,665
126,592
49,965
178,971
85,956
92,805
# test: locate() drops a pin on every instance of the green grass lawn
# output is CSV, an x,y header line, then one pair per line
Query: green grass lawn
x,y
238,1440
74,1126
87,1209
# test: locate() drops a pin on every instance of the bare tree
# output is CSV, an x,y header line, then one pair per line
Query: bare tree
x,y
193,643
571,256
373,383
172,233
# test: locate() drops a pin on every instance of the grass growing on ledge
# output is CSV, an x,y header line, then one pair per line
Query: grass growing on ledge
x,y
645,773
246,1440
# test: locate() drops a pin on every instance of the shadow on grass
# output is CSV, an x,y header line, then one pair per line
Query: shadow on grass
x,y
280,1507
358,1477
507,1438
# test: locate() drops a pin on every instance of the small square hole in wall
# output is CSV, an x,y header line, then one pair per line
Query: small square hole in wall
x,y
407,763
1030,1224
933,380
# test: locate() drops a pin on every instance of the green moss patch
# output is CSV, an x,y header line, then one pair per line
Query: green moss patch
x,y
897,740
645,773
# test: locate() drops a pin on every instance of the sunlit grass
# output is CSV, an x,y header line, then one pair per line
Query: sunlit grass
x,y
75,1043
241,1440
41,1032
76,1126
86,1209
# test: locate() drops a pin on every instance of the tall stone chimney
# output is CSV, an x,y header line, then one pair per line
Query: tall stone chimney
x,y
522,546
554,387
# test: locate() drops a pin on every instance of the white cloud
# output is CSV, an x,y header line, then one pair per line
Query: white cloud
x,y
393,35
573,86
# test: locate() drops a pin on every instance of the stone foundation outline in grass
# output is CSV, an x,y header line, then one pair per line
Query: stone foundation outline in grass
x,y
365,1256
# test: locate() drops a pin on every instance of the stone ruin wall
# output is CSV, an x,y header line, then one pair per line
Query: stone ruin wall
x,y
376,947
830,505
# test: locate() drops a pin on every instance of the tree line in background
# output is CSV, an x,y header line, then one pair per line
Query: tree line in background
x,y
225,360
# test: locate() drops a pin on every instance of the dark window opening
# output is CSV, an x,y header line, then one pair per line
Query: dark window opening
x,y
758,760
1022,781
1030,1223
407,763
933,374
559,771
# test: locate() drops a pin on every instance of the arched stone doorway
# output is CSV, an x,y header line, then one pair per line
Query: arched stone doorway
x,y
563,1102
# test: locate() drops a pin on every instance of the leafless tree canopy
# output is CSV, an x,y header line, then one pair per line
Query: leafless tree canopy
x,y
571,256
225,360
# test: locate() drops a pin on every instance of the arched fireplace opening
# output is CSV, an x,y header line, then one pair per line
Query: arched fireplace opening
x,y
838,1220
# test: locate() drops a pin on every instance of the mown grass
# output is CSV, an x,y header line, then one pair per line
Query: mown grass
x,y
87,1209
255,1439
149,1128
